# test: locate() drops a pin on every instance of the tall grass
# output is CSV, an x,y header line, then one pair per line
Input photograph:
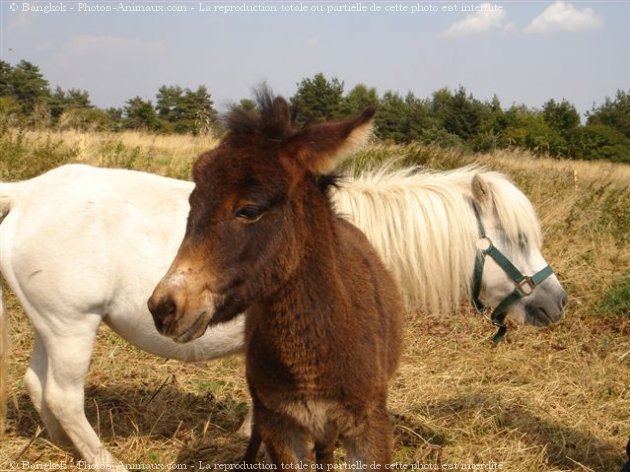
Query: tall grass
x,y
24,154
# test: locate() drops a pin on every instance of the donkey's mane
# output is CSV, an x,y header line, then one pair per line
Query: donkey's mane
x,y
270,118
421,212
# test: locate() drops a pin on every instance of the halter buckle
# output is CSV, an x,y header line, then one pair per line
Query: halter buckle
x,y
526,286
484,244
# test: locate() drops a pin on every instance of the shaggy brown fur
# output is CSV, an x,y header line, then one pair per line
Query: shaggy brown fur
x,y
323,326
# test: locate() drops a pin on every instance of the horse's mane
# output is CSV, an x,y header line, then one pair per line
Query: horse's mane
x,y
426,228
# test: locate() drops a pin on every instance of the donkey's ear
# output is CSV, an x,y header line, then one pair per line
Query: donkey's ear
x,y
481,191
320,148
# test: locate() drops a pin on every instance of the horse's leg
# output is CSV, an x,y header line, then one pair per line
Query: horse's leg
x,y
35,379
69,350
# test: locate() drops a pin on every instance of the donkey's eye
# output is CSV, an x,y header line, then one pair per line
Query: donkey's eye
x,y
250,213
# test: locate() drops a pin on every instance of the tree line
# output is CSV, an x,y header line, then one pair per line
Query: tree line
x,y
26,99
447,118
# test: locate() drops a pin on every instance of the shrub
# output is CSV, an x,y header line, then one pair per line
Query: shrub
x,y
23,159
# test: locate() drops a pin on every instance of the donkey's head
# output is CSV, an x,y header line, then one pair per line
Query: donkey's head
x,y
257,201
512,276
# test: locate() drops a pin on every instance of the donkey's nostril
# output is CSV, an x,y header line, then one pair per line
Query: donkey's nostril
x,y
168,307
163,312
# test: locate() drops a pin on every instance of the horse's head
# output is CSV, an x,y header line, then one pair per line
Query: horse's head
x,y
257,198
511,274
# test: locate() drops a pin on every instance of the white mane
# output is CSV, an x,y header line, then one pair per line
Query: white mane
x,y
420,213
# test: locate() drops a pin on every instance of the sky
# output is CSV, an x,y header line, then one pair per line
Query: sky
x,y
522,51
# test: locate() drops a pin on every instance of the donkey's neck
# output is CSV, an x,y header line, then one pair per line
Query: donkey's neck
x,y
291,338
307,306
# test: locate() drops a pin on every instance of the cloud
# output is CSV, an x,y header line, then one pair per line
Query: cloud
x,y
563,16
312,42
21,20
484,18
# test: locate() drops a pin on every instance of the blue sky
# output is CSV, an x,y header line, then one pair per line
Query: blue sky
x,y
524,51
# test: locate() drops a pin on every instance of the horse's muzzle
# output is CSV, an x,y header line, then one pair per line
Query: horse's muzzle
x,y
546,310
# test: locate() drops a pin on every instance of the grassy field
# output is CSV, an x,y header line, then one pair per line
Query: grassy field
x,y
553,399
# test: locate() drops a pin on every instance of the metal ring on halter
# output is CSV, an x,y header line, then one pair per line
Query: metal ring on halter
x,y
484,244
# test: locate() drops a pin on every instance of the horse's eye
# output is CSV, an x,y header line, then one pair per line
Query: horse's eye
x,y
250,213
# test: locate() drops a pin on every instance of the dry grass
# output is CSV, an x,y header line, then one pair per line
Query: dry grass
x,y
25,152
554,399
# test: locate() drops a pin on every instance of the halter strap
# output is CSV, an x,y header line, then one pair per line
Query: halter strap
x,y
524,285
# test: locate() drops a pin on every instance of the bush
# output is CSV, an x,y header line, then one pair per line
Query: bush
x,y
85,119
22,159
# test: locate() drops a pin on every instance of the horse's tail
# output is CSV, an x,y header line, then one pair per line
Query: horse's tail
x,y
8,195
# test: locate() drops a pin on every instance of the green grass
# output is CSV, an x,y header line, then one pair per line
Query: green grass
x,y
616,301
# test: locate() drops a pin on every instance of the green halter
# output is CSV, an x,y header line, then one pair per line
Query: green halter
x,y
525,285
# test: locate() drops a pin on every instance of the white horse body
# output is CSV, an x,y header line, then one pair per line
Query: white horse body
x,y
97,239
81,245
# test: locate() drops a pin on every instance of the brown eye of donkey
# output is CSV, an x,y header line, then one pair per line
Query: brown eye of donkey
x,y
250,213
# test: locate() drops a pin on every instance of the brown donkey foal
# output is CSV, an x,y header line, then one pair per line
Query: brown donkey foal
x,y
323,315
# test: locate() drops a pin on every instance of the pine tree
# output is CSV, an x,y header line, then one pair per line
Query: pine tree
x,y
140,114
317,99
357,100
614,113
29,86
390,124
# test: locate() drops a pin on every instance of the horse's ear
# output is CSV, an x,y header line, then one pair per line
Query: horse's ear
x,y
320,148
481,191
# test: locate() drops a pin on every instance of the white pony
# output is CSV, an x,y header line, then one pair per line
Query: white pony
x,y
81,245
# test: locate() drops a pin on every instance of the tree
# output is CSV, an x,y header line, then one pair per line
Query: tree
x,y
317,99
205,116
357,100
247,104
116,118
140,114
528,129
562,117
29,86
417,117
459,114
389,119
408,119
64,101
613,113
6,85
185,111
491,127
168,103
598,141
